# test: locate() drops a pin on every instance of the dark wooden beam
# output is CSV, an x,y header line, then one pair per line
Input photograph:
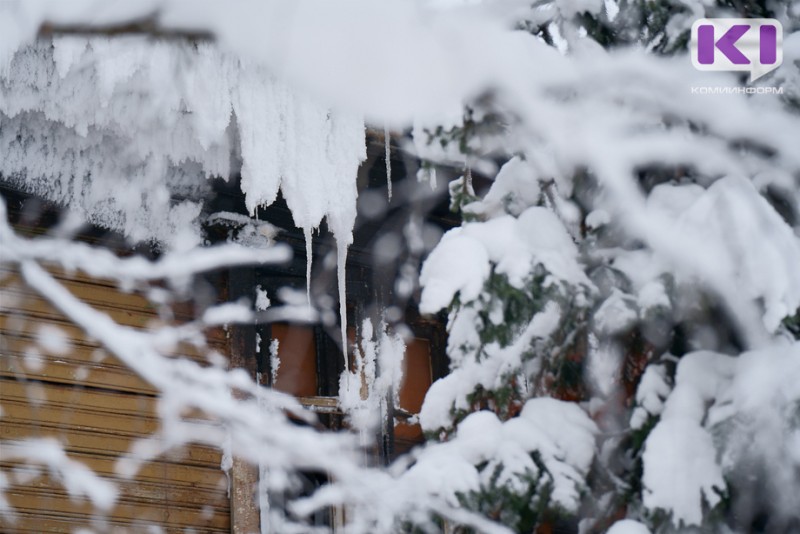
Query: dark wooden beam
x,y
147,26
245,513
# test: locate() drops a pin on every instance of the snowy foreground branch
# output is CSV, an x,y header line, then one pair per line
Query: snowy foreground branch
x,y
251,421
637,232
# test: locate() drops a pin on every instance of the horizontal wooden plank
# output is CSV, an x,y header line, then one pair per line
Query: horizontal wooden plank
x,y
32,305
164,512
76,398
111,444
7,270
101,297
321,404
94,294
66,370
125,308
154,472
182,309
38,522
133,491
11,272
28,328
23,329
61,420
87,409
67,417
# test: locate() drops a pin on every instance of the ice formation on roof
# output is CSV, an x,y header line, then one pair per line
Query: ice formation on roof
x,y
127,130
86,118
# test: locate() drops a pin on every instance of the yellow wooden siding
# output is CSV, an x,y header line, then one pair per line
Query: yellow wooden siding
x,y
92,403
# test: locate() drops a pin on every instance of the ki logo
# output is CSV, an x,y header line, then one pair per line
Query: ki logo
x,y
752,45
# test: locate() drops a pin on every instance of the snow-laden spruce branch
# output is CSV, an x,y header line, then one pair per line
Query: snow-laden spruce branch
x,y
236,412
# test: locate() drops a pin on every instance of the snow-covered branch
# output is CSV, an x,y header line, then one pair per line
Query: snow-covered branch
x,y
76,477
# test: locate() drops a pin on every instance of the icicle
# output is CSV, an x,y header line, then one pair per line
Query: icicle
x,y
341,251
309,257
387,139
274,361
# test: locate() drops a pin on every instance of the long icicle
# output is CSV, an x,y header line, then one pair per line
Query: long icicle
x,y
341,252
387,139
309,258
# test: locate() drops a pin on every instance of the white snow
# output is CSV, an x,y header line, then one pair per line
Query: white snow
x,y
78,479
652,295
731,218
341,262
628,526
378,371
615,314
680,460
458,265
653,389
566,443
681,472
494,367
262,299
515,188
75,132
560,432
86,95
597,218
53,339
274,360
309,259
228,313
461,262
603,364
226,461
715,394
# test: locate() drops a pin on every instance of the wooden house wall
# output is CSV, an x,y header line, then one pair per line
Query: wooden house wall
x,y
96,407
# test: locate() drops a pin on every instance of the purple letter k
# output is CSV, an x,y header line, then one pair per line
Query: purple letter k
x,y
726,44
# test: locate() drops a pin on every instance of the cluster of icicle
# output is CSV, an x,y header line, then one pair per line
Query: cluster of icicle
x,y
126,132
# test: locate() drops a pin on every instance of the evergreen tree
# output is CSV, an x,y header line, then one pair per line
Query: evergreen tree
x,y
564,302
